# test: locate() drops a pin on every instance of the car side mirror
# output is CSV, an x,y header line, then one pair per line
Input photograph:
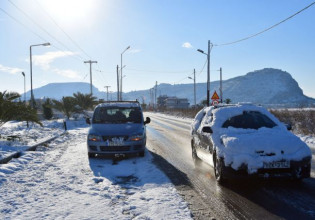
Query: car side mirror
x,y
207,129
147,120
88,121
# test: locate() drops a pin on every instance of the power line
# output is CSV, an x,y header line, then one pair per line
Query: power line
x,y
156,71
267,29
39,36
43,29
102,71
22,24
85,76
46,13
203,67
29,29
100,76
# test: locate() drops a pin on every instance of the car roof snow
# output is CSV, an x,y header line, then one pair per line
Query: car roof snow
x,y
119,104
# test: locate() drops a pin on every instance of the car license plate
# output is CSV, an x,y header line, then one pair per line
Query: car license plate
x,y
114,142
277,164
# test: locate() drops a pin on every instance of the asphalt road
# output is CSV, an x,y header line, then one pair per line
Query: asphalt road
x,y
169,141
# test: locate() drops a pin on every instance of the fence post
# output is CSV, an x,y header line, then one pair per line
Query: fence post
x,y
65,125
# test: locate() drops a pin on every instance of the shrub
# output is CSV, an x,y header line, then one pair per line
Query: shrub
x,y
12,110
85,101
66,105
302,121
47,109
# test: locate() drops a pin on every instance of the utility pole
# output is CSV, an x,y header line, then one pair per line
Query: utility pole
x,y
195,87
107,90
221,92
150,90
90,62
208,70
155,100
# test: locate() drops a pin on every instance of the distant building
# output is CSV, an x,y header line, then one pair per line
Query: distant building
x,y
172,102
161,101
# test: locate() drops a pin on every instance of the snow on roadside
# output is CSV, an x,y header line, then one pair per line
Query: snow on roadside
x,y
62,183
25,137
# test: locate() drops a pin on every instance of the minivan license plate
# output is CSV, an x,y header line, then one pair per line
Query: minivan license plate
x,y
277,164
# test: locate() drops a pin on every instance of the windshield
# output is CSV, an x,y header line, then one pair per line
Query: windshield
x,y
249,120
115,115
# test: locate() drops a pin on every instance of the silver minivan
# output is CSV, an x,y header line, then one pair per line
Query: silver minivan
x,y
117,128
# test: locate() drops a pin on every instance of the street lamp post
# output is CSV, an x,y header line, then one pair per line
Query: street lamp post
x,y
194,86
121,79
24,88
221,92
32,95
121,73
208,70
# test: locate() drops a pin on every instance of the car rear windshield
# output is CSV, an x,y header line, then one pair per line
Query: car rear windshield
x,y
249,120
117,115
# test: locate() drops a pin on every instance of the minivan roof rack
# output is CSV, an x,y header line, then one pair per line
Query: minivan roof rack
x,y
120,101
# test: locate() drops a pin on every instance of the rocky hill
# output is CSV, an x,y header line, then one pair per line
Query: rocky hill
x,y
267,86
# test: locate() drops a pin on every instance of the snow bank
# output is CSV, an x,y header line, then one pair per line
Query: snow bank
x,y
25,137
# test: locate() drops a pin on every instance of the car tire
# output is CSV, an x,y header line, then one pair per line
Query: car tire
x,y
194,155
297,174
141,154
91,155
218,165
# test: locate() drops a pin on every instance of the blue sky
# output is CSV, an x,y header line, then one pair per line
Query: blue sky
x,y
163,36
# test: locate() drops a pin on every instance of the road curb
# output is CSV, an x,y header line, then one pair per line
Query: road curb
x,y
31,148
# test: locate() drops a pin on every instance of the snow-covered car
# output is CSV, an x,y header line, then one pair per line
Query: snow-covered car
x,y
117,128
245,140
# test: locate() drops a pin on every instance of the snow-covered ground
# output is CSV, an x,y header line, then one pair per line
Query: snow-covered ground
x,y
24,137
59,182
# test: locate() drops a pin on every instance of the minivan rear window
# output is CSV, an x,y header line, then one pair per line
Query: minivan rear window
x,y
117,115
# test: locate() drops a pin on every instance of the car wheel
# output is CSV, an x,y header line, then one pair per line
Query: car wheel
x,y
141,154
297,174
194,155
91,155
218,169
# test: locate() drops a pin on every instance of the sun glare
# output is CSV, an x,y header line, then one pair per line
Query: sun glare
x,y
70,12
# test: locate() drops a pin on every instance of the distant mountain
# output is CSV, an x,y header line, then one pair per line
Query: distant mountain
x,y
267,87
58,90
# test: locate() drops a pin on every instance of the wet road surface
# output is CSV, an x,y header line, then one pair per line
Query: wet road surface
x,y
168,138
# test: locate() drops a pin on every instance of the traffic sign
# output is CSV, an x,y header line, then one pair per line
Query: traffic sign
x,y
215,96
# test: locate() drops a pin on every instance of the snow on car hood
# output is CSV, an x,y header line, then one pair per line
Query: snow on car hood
x,y
254,147
116,129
